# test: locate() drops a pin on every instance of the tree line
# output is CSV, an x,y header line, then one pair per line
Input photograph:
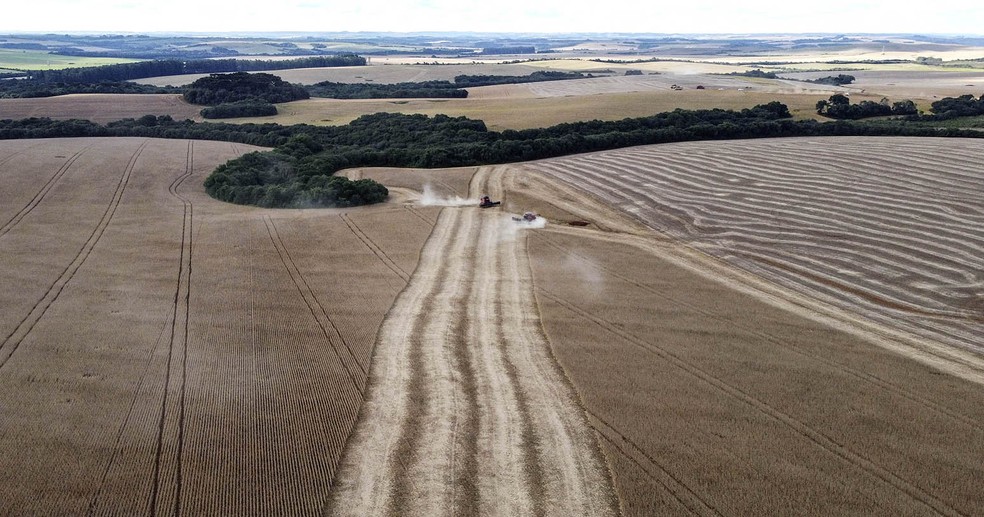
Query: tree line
x,y
299,171
166,67
839,106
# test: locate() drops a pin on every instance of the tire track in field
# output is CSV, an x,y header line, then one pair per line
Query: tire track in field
x,y
14,339
818,438
884,384
165,497
318,311
375,249
655,471
40,195
467,411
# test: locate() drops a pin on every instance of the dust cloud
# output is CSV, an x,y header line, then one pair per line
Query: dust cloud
x,y
431,198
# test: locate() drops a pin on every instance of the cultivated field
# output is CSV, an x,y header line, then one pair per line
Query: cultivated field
x,y
761,327
890,228
719,392
165,353
99,107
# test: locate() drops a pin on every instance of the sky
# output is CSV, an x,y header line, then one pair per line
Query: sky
x,y
539,16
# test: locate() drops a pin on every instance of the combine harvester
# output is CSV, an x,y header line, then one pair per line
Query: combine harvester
x,y
487,202
528,218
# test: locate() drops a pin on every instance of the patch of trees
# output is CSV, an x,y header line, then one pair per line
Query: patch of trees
x,y
430,89
834,80
241,86
953,107
472,81
839,107
756,73
165,67
417,90
515,49
240,109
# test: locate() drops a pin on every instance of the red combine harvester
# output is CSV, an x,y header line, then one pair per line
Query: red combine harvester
x,y
487,202
528,217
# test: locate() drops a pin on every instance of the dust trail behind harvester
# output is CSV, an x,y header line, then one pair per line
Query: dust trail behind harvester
x,y
431,198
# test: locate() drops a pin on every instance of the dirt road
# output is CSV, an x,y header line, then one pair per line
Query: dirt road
x,y
468,412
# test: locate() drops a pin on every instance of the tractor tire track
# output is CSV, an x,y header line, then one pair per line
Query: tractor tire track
x,y
467,411
375,249
40,195
887,385
165,497
318,311
655,471
818,438
13,340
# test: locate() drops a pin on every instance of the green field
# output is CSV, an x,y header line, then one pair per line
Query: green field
x,y
41,60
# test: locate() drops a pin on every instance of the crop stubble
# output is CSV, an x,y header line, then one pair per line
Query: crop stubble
x,y
467,410
710,401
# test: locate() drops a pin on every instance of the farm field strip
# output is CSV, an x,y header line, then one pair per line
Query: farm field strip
x,y
871,241
461,355
13,340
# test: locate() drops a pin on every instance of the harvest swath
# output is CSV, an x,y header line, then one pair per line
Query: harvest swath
x,y
165,353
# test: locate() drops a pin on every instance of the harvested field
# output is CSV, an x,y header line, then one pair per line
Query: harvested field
x,y
718,392
100,107
163,352
890,228
467,411
166,353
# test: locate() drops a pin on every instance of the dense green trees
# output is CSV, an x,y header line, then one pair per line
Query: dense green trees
x,y
241,86
472,81
417,90
247,108
23,88
165,67
962,106
834,80
839,106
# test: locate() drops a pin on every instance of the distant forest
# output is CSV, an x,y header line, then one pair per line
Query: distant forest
x,y
166,67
